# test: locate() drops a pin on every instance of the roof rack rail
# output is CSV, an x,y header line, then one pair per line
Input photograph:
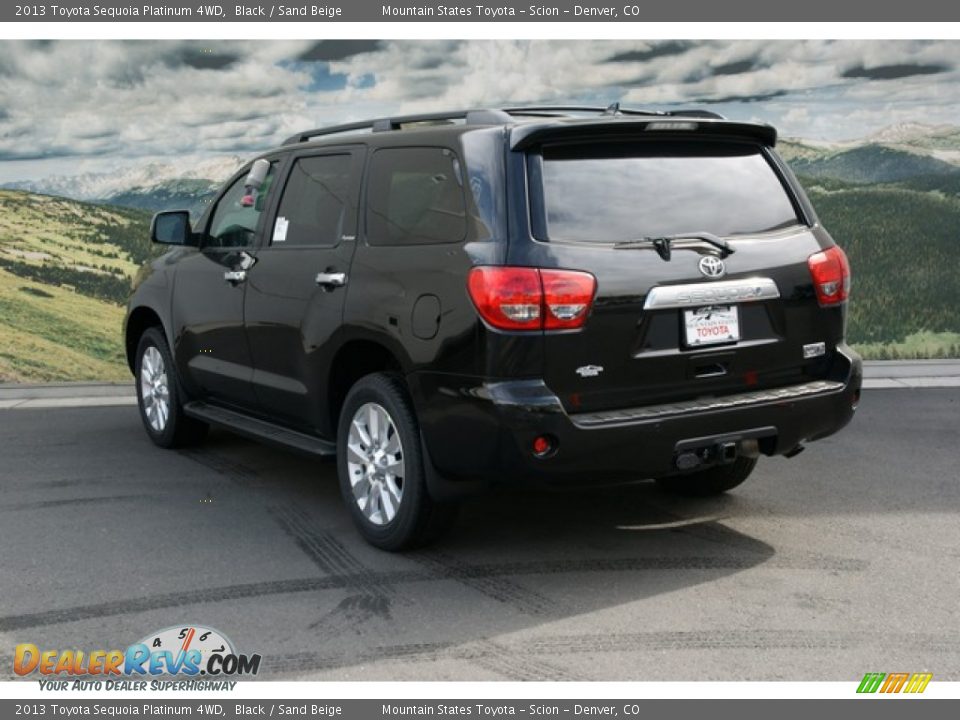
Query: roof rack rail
x,y
613,109
493,116
470,117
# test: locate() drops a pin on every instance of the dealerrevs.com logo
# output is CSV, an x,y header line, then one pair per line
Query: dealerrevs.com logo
x,y
189,651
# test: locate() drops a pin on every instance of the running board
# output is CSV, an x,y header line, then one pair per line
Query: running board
x,y
259,429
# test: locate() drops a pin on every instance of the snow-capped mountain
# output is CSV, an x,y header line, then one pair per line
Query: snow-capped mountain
x,y
910,133
138,179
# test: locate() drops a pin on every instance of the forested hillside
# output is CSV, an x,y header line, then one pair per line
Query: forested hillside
x,y
902,243
65,271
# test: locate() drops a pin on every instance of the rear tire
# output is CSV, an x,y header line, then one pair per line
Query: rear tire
x,y
159,397
380,466
712,481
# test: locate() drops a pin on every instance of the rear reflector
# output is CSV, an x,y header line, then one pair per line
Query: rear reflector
x,y
519,298
542,445
830,271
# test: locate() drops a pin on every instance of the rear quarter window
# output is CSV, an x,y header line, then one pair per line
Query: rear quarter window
x,y
608,192
415,197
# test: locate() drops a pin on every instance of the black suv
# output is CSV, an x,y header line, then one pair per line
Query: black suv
x,y
449,300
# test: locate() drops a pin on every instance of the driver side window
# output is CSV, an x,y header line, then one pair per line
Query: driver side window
x,y
234,222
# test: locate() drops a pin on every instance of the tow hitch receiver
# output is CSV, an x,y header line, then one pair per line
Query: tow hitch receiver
x,y
717,454
702,452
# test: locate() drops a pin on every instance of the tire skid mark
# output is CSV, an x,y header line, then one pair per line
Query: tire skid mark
x,y
514,663
168,600
73,482
499,588
295,663
241,475
333,558
324,549
372,594
330,555
352,612
41,504
397,577
521,661
511,663
704,640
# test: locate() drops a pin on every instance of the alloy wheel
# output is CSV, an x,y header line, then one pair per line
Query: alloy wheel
x,y
375,463
154,389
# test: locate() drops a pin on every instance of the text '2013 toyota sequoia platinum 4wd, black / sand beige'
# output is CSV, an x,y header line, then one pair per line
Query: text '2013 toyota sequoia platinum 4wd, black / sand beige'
x,y
450,300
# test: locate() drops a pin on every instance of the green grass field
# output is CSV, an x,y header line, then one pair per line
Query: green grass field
x,y
65,271
54,334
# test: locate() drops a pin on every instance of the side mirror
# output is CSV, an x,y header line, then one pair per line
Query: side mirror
x,y
172,228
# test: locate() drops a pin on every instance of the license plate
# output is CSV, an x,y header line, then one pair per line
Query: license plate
x,y
711,325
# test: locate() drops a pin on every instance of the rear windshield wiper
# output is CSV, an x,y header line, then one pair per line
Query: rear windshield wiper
x,y
662,244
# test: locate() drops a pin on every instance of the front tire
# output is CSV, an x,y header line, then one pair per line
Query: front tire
x,y
709,482
159,396
380,466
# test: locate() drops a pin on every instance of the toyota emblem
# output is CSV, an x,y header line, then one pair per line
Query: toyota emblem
x,y
712,267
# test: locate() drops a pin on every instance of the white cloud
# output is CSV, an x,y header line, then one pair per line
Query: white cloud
x,y
117,102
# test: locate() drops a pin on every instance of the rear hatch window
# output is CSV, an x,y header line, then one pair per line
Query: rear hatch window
x,y
612,192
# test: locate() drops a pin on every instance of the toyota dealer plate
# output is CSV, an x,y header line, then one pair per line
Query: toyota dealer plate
x,y
710,325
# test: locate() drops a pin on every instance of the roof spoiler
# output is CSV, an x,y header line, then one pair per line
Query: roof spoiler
x,y
526,136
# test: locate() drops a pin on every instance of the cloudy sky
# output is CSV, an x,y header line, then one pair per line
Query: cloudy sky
x,y
68,107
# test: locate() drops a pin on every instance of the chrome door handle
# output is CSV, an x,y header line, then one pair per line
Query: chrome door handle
x,y
329,279
235,277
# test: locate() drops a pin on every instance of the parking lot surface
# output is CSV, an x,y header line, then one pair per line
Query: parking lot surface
x,y
843,560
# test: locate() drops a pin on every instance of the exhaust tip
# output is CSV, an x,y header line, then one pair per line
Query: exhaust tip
x,y
687,461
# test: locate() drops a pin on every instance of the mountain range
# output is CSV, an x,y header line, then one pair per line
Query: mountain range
x,y
152,186
894,154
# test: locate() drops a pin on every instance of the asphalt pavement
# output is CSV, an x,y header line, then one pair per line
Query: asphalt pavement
x,y
843,560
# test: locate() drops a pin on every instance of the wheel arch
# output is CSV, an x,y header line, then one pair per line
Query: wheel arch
x,y
355,358
138,321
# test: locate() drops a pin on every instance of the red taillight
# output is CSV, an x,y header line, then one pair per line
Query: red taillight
x,y
507,298
830,271
518,298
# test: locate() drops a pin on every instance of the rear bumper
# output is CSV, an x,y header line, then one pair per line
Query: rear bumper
x,y
477,433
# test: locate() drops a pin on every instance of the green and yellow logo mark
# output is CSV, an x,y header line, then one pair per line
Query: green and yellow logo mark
x,y
894,682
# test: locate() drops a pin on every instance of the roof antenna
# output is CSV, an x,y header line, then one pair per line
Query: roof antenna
x,y
612,109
